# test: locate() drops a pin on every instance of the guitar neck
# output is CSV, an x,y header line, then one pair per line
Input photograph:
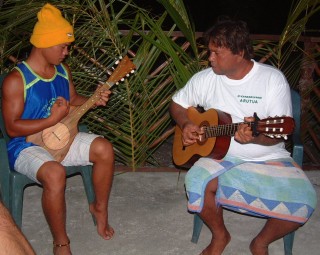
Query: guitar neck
x,y
223,130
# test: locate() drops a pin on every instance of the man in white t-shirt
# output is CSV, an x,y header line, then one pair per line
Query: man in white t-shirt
x,y
257,176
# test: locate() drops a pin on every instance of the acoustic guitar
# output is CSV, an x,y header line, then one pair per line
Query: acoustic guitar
x,y
58,138
218,129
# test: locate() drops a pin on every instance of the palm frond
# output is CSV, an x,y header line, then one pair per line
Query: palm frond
x,y
164,49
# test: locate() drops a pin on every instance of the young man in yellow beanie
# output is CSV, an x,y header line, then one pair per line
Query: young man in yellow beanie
x,y
42,91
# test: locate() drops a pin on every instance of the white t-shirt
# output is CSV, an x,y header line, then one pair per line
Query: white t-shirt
x,y
263,90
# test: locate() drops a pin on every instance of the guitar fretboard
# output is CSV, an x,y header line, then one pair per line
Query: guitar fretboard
x,y
223,130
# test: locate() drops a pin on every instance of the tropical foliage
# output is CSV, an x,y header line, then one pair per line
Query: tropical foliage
x,y
164,47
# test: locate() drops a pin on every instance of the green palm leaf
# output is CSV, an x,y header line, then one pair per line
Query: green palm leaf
x,y
164,49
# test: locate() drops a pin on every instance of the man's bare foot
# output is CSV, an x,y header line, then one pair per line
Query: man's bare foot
x,y
217,245
257,248
103,228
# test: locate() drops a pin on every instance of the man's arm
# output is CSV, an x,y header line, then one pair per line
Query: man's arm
x,y
190,131
12,241
179,114
13,106
77,99
244,136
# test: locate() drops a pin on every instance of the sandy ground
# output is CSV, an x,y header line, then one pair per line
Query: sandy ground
x,y
148,213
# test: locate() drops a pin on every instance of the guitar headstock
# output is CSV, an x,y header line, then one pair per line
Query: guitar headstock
x,y
277,127
124,68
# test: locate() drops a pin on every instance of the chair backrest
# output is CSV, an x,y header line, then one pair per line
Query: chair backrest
x,y
2,127
296,109
4,167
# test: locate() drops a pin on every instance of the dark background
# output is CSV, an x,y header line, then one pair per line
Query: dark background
x,y
262,16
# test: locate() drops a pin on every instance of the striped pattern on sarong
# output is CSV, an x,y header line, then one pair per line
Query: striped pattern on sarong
x,y
277,189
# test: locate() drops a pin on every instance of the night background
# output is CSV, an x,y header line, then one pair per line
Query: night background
x,y
262,16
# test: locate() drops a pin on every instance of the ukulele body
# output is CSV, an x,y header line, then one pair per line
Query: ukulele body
x,y
58,138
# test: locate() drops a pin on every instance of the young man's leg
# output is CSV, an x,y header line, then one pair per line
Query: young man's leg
x,y
93,149
102,157
52,176
39,165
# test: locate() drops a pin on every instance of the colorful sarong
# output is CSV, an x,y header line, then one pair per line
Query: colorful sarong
x,y
276,189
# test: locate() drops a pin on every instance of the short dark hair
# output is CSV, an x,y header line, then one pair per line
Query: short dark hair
x,y
232,34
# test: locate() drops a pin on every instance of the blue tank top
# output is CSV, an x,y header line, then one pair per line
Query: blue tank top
x,y
39,96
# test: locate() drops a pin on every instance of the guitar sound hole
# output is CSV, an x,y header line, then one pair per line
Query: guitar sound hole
x,y
203,138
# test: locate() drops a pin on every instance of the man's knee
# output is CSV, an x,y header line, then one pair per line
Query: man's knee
x,y
212,185
101,148
197,176
52,175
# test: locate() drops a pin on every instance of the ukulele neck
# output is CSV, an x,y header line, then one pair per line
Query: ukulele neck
x,y
82,109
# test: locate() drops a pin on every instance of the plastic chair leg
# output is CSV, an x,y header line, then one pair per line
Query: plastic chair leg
x,y
288,243
87,182
197,226
17,204
18,183
86,174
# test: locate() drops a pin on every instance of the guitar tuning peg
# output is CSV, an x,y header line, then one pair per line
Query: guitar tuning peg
x,y
117,62
270,135
285,137
122,79
127,75
117,83
132,71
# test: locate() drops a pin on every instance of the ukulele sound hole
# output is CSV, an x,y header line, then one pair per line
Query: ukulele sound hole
x,y
56,137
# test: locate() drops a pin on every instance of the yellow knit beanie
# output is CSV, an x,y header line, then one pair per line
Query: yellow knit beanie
x,y
51,29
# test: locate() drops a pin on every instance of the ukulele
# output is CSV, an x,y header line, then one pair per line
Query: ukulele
x,y
58,138
218,129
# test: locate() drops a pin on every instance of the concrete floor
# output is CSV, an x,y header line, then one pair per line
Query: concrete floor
x,y
148,213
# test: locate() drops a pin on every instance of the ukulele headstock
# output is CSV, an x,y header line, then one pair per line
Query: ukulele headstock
x,y
124,68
